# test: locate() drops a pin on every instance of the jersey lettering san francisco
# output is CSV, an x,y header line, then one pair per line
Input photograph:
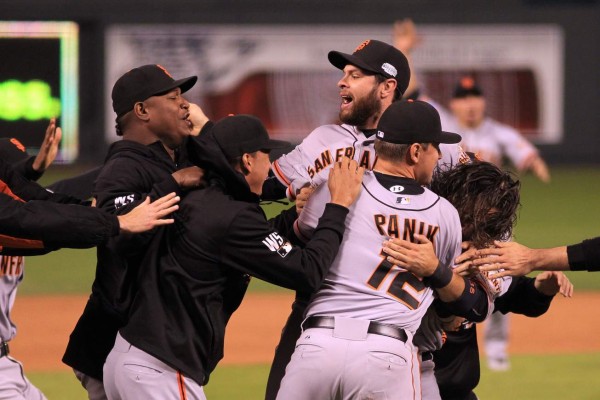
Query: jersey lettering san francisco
x,y
361,283
309,162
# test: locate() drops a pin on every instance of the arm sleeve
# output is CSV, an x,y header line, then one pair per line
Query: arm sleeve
x,y
25,168
523,298
253,247
585,255
472,303
273,189
515,146
79,186
120,187
284,222
56,225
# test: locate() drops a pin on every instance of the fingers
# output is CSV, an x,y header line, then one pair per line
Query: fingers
x,y
166,221
170,199
422,239
464,269
497,275
57,134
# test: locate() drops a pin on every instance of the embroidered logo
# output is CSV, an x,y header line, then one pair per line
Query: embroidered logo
x,y
123,200
390,69
275,242
164,70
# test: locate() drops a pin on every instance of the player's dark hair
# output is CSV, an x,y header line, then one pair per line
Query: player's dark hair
x,y
487,200
390,151
393,151
118,128
380,79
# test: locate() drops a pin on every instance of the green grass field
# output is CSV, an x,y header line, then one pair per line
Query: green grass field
x,y
565,211
551,377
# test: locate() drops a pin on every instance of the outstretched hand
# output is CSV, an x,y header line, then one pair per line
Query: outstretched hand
x,y
552,282
48,148
149,215
513,258
405,36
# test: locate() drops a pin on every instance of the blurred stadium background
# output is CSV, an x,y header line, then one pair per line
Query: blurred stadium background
x,y
65,56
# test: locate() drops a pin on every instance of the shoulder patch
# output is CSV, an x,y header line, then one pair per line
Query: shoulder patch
x,y
276,243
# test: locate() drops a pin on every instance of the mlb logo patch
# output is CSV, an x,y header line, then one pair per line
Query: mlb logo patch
x,y
403,200
284,249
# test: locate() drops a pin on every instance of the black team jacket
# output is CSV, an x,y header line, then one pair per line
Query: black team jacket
x,y
131,172
179,313
34,220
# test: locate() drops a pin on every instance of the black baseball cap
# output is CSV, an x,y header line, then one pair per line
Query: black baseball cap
x,y
239,134
143,82
465,87
12,151
378,58
407,122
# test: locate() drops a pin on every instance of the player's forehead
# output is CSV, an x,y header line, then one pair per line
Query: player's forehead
x,y
353,69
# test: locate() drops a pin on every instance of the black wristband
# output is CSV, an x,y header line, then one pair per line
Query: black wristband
x,y
440,278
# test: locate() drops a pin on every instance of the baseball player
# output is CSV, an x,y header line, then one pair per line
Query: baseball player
x,y
13,383
175,331
367,311
154,120
491,141
487,199
374,76
33,222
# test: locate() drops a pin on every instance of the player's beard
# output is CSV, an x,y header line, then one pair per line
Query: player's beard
x,y
362,110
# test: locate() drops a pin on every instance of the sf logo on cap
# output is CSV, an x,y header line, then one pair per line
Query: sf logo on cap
x,y
165,70
380,134
362,45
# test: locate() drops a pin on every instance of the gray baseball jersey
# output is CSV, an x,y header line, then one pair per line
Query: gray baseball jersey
x,y
360,284
491,140
309,162
361,287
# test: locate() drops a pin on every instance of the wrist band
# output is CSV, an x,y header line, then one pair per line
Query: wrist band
x,y
441,277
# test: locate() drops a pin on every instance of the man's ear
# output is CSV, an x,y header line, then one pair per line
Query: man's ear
x,y
388,88
246,164
414,153
141,111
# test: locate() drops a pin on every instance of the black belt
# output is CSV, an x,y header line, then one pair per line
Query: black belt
x,y
375,328
4,350
426,356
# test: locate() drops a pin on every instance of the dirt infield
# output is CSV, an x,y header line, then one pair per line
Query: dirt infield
x,y
45,323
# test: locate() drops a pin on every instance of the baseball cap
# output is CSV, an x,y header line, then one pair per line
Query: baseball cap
x,y
12,151
143,82
376,57
239,134
466,86
407,122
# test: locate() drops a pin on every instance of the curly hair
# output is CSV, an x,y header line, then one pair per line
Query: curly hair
x,y
487,200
